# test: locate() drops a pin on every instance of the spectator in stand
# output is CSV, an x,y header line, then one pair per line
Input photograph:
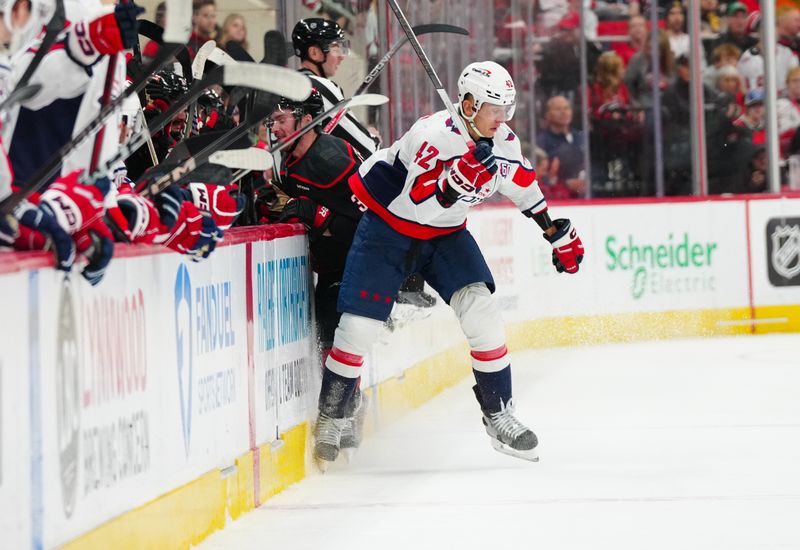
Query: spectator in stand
x,y
723,55
788,19
675,27
559,69
710,22
729,82
615,129
564,144
756,179
737,32
752,120
637,32
234,30
751,64
677,137
204,24
151,48
789,115
638,76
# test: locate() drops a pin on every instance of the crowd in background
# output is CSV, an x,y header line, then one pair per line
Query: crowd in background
x,y
621,120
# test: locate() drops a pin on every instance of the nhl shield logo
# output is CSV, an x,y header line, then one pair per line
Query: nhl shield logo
x,y
783,248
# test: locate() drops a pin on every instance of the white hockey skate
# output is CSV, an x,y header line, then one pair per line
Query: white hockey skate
x,y
509,436
327,439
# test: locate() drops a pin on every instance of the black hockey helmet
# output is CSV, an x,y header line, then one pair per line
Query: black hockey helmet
x,y
312,105
166,85
316,31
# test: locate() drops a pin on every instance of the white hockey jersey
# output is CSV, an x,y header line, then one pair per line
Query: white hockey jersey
x,y
751,67
72,76
399,183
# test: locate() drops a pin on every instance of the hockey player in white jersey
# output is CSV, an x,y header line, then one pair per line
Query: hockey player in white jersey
x,y
418,192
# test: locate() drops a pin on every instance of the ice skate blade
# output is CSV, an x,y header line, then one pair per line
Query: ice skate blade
x,y
530,455
322,464
349,453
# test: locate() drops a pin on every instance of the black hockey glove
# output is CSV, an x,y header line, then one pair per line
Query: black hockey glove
x,y
99,255
126,15
304,210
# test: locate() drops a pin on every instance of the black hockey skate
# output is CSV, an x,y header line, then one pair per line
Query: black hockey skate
x,y
509,436
353,429
327,439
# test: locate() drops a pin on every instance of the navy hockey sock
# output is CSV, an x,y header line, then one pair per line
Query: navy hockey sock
x,y
492,388
336,394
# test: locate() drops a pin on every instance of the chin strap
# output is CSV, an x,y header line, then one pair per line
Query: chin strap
x,y
470,121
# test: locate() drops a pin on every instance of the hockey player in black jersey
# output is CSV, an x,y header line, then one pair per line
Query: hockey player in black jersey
x,y
321,46
314,173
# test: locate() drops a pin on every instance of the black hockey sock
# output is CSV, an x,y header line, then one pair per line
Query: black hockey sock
x,y
492,388
336,394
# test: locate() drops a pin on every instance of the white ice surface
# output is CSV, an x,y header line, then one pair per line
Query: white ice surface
x,y
683,444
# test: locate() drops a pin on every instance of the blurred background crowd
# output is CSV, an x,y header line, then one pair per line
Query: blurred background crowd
x,y
594,116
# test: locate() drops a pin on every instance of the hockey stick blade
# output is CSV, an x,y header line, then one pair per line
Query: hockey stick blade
x,y
21,94
251,158
367,100
199,63
220,57
271,78
179,22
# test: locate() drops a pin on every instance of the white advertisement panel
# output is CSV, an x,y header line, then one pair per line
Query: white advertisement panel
x,y
144,383
286,354
16,505
639,257
775,242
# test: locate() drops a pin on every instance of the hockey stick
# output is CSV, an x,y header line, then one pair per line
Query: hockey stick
x,y
21,94
259,113
198,68
377,69
248,159
221,57
426,64
52,30
176,33
268,78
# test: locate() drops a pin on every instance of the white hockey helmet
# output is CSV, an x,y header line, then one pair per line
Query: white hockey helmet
x,y
40,13
487,82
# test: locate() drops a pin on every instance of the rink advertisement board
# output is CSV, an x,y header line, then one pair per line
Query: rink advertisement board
x,y
639,257
287,367
17,369
141,384
116,395
149,389
775,242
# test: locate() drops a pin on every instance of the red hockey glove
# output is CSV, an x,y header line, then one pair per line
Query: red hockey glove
x,y
115,31
469,173
567,246
304,210
224,203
